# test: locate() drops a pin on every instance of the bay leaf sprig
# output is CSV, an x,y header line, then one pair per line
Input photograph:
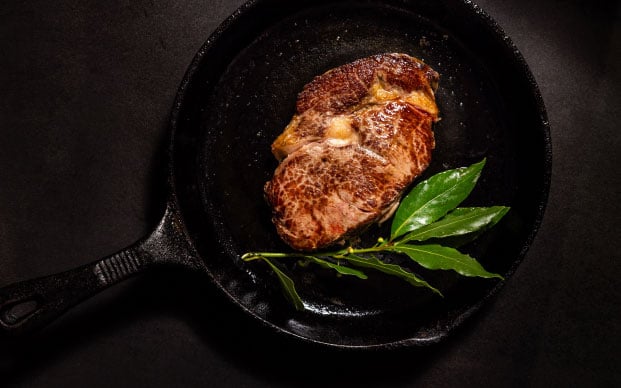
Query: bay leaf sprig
x,y
429,213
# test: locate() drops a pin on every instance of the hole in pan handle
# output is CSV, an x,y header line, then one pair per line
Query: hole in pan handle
x,y
31,304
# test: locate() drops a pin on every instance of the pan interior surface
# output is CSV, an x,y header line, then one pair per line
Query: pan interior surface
x,y
240,93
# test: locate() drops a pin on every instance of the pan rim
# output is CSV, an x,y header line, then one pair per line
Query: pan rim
x,y
525,72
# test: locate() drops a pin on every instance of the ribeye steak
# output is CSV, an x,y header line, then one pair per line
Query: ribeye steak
x,y
362,132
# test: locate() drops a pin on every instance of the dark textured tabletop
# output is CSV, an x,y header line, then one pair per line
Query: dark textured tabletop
x,y
86,88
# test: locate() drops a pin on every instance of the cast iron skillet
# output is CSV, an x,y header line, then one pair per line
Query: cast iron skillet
x,y
239,93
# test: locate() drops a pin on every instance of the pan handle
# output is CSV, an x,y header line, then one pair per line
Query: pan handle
x,y
28,305
31,304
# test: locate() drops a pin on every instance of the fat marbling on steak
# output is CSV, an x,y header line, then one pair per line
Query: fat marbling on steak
x,y
362,132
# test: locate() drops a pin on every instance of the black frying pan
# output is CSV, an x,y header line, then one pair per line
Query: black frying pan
x,y
236,97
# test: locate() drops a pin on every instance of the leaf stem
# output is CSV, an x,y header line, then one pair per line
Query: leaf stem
x,y
250,256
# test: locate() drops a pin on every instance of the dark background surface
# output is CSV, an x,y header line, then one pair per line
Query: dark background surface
x,y
85,90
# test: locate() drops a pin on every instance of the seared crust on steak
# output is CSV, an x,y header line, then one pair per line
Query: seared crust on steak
x,y
361,134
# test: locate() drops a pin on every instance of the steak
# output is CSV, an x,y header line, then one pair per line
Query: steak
x,y
362,132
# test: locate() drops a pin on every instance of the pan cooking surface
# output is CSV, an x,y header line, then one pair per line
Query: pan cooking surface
x,y
240,94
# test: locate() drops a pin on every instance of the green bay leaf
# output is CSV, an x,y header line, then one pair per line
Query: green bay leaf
x,y
458,222
390,269
343,270
433,198
288,286
440,257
